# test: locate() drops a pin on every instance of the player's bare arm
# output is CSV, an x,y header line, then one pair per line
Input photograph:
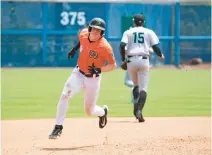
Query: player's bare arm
x,y
111,62
73,51
108,67
110,59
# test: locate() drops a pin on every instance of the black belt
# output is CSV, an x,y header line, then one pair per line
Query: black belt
x,y
86,75
143,57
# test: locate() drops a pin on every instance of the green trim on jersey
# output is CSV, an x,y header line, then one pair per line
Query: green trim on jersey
x,y
123,43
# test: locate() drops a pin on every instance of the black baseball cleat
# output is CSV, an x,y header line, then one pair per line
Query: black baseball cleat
x,y
103,119
56,132
139,116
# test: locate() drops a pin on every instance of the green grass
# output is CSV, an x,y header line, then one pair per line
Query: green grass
x,y
34,93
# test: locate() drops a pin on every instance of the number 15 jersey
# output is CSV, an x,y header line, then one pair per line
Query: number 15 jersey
x,y
139,40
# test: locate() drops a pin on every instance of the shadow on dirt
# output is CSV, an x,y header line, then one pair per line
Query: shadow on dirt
x,y
68,149
124,121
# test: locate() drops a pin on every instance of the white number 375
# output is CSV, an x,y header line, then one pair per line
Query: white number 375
x,y
73,18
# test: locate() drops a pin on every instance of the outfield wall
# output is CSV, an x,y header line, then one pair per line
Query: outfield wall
x,y
41,33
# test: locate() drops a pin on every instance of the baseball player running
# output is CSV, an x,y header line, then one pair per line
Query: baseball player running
x,y
95,51
138,41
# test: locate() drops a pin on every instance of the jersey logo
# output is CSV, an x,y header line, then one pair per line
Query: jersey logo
x,y
93,54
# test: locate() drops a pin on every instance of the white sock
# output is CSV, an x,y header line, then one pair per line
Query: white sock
x,y
62,108
98,111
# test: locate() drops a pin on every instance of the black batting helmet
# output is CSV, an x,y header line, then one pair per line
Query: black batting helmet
x,y
139,19
97,23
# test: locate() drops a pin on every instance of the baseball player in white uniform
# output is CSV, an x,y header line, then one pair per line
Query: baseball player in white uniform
x,y
135,59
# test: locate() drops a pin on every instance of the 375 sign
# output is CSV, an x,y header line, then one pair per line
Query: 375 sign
x,y
73,18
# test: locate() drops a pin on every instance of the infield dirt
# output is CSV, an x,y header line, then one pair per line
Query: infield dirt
x,y
122,136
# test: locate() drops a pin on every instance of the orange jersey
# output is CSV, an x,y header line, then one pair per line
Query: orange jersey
x,y
98,52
